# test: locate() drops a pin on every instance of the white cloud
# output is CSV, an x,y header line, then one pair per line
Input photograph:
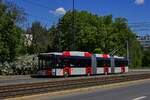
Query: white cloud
x,y
58,11
139,2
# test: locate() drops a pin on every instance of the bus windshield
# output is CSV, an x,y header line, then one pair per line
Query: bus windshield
x,y
45,62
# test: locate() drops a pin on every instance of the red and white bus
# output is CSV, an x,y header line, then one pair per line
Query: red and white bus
x,y
70,63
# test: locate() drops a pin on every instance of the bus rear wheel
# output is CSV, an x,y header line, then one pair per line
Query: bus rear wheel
x,y
66,74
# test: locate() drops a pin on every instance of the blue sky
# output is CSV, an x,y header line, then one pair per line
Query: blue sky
x,y
48,11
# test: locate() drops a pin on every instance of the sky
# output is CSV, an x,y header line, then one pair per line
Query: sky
x,y
48,12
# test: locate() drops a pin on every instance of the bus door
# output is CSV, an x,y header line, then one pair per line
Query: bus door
x,y
57,64
122,65
106,69
106,66
48,65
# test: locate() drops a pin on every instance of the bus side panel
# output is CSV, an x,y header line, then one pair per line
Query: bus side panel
x,y
126,69
117,70
100,70
57,72
78,71
109,70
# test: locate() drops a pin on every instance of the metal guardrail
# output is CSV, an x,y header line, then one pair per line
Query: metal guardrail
x,y
52,86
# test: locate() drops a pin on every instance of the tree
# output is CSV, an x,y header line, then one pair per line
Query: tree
x,y
11,35
40,38
135,53
146,58
55,37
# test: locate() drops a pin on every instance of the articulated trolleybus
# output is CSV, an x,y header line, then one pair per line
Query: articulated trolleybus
x,y
70,63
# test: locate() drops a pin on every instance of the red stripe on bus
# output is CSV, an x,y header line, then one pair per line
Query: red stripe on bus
x,y
86,54
66,53
122,68
105,55
88,69
49,72
106,69
67,69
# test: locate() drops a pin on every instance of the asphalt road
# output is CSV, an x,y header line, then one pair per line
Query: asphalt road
x,y
134,92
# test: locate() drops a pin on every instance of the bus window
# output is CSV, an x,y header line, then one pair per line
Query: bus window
x,y
48,63
65,62
108,62
103,62
126,62
99,63
40,64
119,62
45,62
59,62
69,62
83,62
87,63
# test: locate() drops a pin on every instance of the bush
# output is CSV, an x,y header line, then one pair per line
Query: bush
x,y
23,65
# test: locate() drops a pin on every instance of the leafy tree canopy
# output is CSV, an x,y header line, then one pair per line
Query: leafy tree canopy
x,y
40,38
10,34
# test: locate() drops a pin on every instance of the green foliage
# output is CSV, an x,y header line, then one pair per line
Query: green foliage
x,y
98,51
40,38
146,58
135,54
26,64
54,40
10,35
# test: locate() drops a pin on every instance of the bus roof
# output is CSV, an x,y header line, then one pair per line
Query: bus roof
x,y
51,53
80,54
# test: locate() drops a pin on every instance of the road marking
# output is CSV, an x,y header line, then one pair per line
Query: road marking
x,y
139,98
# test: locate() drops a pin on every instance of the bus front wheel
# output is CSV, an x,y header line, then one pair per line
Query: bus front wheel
x,y
88,74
